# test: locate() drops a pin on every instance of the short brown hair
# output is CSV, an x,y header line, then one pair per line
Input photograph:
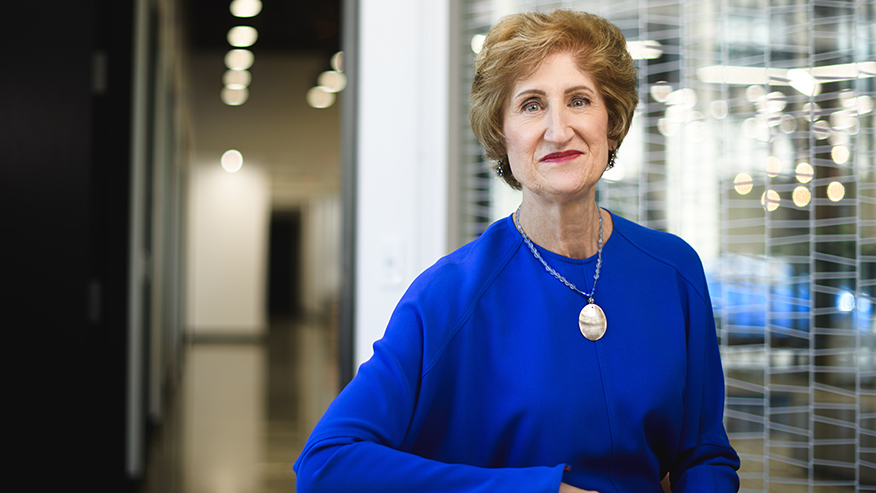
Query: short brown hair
x,y
516,46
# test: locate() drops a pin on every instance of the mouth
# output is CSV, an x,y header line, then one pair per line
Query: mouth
x,y
559,157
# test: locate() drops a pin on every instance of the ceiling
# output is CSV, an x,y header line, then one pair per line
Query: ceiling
x,y
297,145
283,25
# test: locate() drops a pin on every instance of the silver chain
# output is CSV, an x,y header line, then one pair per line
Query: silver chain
x,y
557,274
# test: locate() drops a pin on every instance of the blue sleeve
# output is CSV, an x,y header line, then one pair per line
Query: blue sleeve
x,y
705,460
363,441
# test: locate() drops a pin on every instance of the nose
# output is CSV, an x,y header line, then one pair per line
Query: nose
x,y
557,131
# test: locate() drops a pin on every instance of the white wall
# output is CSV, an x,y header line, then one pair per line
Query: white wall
x,y
402,154
228,222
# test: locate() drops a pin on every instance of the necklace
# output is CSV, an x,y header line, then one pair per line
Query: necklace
x,y
591,319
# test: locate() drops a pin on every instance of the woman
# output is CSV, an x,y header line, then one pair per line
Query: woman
x,y
566,349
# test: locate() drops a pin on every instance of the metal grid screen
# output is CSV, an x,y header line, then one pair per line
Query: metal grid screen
x,y
755,142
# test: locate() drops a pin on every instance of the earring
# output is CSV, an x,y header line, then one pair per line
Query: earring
x,y
499,170
612,155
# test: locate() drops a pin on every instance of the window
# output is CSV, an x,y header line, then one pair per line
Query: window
x,y
755,141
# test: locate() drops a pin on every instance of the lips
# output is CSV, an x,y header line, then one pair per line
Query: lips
x,y
558,157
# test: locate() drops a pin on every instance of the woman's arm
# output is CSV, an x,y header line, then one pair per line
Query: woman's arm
x,y
705,461
361,444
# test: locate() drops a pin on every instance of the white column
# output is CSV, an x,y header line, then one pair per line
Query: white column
x,y
402,157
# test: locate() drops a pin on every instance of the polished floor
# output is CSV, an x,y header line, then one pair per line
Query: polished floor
x,y
243,411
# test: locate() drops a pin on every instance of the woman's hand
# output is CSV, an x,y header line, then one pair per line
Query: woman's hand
x,y
564,488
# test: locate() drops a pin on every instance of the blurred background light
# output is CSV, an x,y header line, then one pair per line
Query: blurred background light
x,y
645,50
743,183
236,79
231,160
811,111
836,191
245,8
821,130
477,42
773,166
661,91
863,104
242,36
719,109
318,97
337,61
803,81
840,154
801,196
332,81
239,59
770,200
804,172
234,96
845,301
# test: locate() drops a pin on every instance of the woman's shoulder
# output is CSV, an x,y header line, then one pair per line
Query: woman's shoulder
x,y
662,247
473,265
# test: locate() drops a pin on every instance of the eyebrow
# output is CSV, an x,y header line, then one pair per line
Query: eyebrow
x,y
539,92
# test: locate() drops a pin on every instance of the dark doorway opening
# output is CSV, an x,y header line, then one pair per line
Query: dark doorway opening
x,y
284,264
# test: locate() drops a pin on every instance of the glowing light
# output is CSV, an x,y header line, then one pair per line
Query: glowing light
x,y
842,120
839,139
231,160
845,302
821,130
477,42
806,80
332,81
242,36
840,154
863,104
803,81
775,102
239,59
805,173
337,61
770,200
666,127
754,93
743,183
318,97
245,8
811,111
234,96
686,98
836,191
773,166
236,79
756,128
719,109
801,196
661,91
645,50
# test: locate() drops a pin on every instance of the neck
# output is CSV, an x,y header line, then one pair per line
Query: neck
x,y
570,230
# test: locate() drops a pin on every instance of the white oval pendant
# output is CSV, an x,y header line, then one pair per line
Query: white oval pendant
x,y
592,322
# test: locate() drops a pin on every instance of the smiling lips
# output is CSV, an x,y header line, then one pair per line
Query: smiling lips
x,y
559,157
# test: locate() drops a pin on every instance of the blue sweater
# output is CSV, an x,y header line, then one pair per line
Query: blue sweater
x,y
483,382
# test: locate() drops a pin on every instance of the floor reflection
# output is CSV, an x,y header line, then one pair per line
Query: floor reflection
x,y
243,412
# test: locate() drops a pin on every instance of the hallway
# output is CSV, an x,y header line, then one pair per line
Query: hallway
x,y
243,411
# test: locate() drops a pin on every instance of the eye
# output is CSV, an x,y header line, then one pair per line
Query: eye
x,y
531,106
579,102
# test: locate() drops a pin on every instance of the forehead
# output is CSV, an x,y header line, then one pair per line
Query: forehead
x,y
556,71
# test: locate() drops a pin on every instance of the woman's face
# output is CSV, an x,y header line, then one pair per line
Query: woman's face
x,y
556,130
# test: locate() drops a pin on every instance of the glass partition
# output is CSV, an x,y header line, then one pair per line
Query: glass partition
x,y
754,141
